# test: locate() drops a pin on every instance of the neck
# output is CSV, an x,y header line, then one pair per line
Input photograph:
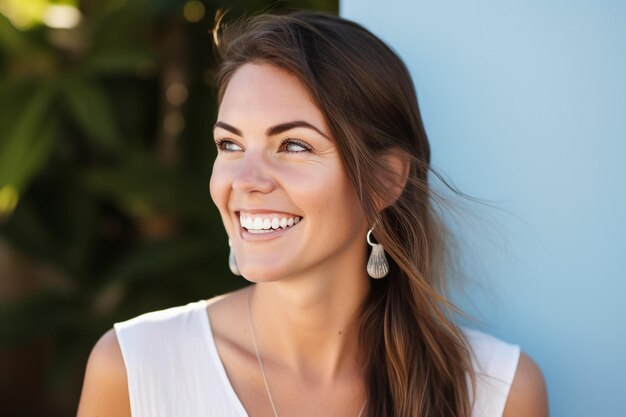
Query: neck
x,y
311,329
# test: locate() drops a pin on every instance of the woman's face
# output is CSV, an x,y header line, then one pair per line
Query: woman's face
x,y
278,170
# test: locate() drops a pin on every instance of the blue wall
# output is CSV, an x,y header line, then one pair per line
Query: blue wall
x,y
525,105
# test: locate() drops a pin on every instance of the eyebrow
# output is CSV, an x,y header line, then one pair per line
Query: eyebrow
x,y
274,130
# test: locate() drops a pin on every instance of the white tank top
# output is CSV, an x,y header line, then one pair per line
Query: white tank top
x,y
174,369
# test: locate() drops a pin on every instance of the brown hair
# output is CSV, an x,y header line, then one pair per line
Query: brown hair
x,y
416,360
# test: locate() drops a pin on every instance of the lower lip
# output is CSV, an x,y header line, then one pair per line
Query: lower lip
x,y
259,237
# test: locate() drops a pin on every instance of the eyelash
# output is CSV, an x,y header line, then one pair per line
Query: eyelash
x,y
220,143
287,141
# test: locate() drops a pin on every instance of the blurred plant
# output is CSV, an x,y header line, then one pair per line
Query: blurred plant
x,y
105,156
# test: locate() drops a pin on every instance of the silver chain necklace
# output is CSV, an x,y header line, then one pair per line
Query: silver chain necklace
x,y
258,357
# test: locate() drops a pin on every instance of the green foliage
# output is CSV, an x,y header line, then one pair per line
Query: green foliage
x,y
87,103
104,212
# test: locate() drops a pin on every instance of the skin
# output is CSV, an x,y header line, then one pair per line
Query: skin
x,y
312,277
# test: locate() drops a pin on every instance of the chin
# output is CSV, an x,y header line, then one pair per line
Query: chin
x,y
261,275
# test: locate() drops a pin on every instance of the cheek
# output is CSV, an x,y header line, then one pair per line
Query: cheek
x,y
219,186
345,205
328,194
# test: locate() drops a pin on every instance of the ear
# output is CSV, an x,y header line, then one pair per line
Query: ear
x,y
398,164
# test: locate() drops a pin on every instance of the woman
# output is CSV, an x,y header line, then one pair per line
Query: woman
x,y
321,180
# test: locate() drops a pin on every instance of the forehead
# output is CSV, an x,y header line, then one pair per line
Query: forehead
x,y
263,92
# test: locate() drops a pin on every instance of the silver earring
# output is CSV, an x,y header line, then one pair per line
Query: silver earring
x,y
377,266
232,262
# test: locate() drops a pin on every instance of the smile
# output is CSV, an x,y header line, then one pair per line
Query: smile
x,y
258,224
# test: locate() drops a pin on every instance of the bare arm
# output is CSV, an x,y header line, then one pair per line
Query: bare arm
x,y
528,395
105,388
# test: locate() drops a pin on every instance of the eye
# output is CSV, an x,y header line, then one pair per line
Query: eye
x,y
226,145
294,145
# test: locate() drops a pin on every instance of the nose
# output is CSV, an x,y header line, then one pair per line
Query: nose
x,y
253,175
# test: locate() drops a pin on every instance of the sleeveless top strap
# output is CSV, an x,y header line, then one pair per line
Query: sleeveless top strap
x,y
171,364
495,363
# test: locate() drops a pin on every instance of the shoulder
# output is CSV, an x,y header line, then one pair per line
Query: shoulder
x,y
509,382
136,343
528,395
150,334
133,348
105,390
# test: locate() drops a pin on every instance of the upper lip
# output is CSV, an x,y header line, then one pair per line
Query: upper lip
x,y
263,211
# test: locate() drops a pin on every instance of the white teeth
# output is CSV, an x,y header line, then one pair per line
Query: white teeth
x,y
260,224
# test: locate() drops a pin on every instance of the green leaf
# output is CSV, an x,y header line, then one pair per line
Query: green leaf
x,y
26,148
88,103
11,39
38,153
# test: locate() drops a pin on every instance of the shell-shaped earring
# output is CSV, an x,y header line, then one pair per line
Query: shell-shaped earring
x,y
377,266
232,262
